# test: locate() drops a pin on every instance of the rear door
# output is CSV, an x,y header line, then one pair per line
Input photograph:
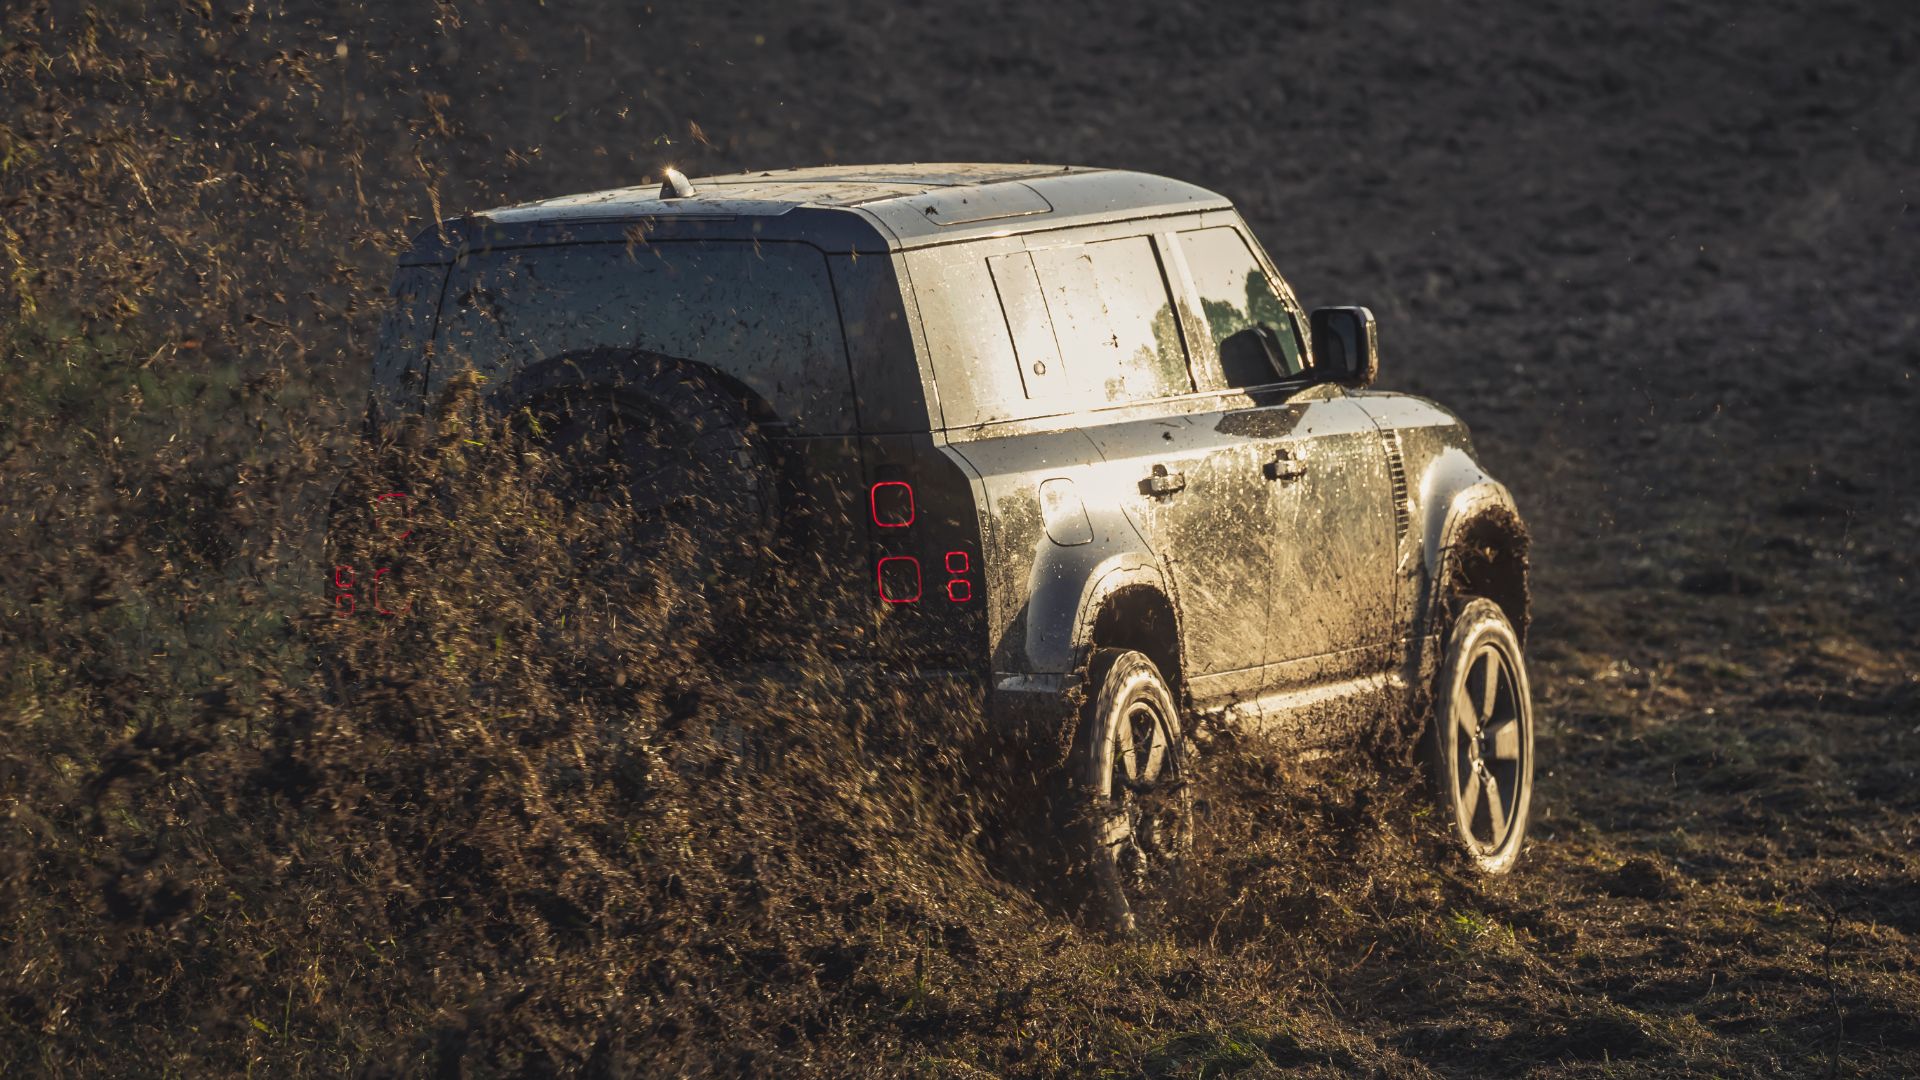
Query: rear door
x,y
763,314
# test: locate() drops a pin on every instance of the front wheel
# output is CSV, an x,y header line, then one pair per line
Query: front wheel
x,y
1129,810
1480,747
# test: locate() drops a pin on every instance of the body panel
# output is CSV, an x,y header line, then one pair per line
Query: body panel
x,y
941,542
402,354
833,230
1036,587
891,394
969,354
1215,533
823,600
1445,482
1447,488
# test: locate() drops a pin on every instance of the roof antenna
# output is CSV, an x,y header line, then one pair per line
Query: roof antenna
x,y
677,185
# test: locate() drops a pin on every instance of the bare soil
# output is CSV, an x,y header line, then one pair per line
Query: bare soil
x,y
1662,259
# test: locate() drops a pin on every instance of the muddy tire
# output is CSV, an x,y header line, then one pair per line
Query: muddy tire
x,y
1480,744
677,460
1127,807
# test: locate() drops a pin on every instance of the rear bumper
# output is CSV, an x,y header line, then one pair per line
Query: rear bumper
x,y
1018,705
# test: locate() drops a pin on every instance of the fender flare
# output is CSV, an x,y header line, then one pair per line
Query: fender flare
x,y
1057,631
1466,506
1455,493
1129,571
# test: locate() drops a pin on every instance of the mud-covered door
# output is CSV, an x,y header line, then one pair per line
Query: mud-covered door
x,y
1332,579
1322,469
1186,476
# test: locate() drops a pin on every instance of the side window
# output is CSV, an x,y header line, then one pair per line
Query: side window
x,y
1042,375
1253,334
1113,320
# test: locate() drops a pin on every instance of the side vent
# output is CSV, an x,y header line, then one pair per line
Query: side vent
x,y
1397,472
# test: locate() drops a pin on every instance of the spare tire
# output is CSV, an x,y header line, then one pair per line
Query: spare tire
x,y
675,455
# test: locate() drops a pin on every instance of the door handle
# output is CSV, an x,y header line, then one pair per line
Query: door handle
x,y
1162,482
1287,464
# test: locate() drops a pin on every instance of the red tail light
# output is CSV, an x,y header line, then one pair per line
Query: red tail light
x,y
892,504
899,577
959,589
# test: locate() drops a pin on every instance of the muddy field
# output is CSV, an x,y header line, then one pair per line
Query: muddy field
x,y
1662,259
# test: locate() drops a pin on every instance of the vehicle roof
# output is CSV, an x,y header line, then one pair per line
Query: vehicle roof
x,y
899,206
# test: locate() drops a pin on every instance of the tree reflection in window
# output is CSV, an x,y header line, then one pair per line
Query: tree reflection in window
x,y
1236,299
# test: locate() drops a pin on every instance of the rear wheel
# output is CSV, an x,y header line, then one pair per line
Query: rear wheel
x,y
674,470
1130,816
1480,747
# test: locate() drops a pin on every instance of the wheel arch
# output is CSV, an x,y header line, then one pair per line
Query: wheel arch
x,y
1131,607
1481,547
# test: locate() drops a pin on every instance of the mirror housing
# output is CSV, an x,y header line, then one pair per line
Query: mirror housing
x,y
1346,345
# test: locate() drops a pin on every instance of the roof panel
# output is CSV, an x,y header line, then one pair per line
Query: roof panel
x,y
966,204
921,174
1080,197
929,203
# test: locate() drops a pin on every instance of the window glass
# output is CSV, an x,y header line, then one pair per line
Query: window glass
x,y
762,313
1113,320
1237,301
966,337
1042,375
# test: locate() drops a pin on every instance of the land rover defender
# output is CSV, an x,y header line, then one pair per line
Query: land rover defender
x,y
1062,431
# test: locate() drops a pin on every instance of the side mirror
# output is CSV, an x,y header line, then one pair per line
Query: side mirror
x,y
1346,345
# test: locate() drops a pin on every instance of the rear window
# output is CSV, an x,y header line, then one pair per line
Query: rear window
x,y
762,313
